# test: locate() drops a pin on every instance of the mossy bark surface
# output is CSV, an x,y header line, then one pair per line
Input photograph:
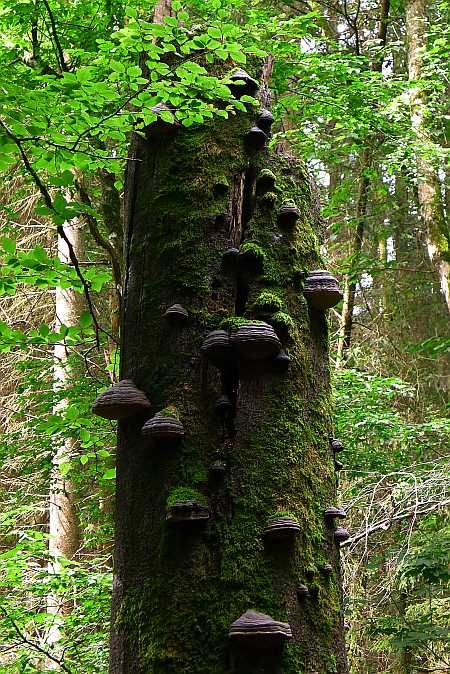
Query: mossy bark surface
x,y
176,590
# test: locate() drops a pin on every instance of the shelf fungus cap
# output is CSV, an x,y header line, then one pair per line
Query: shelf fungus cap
x,y
302,591
176,314
265,120
282,361
161,126
326,569
162,427
187,512
218,468
243,84
223,406
265,181
341,535
288,215
322,290
258,628
122,400
336,445
333,512
256,341
255,138
282,528
338,465
230,256
217,348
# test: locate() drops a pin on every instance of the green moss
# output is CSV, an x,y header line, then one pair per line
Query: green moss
x,y
281,513
182,494
283,320
235,322
268,300
169,411
252,249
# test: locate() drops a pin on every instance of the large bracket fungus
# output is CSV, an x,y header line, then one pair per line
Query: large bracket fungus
x,y
341,535
255,139
288,216
265,120
188,513
322,290
333,512
256,341
176,315
282,529
258,630
120,401
162,427
242,84
217,348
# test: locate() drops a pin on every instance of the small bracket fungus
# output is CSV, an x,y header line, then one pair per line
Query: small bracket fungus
x,y
223,407
217,469
166,123
251,258
341,535
242,84
281,362
265,182
230,259
120,401
338,465
288,216
302,592
336,445
217,348
331,513
326,570
162,427
265,120
255,139
259,630
176,314
187,513
256,341
281,529
321,290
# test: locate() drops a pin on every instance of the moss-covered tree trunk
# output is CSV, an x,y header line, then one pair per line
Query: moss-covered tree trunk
x,y
191,196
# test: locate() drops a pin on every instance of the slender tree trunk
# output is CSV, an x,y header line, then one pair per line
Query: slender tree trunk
x,y
429,189
346,324
176,592
345,333
63,520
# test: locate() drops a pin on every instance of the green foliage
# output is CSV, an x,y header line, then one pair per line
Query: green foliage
x,y
183,494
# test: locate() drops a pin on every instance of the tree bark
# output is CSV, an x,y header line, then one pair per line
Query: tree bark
x,y
191,196
429,189
64,533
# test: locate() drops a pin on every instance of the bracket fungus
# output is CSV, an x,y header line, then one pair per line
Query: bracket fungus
x,y
162,427
218,469
339,513
251,258
223,406
265,181
217,348
242,84
265,120
302,591
256,341
259,630
187,512
288,216
338,465
176,314
166,123
341,535
322,290
255,138
282,362
336,445
230,258
281,529
326,569
120,401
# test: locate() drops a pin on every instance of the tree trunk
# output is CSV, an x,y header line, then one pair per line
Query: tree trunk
x,y
429,189
63,520
190,197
